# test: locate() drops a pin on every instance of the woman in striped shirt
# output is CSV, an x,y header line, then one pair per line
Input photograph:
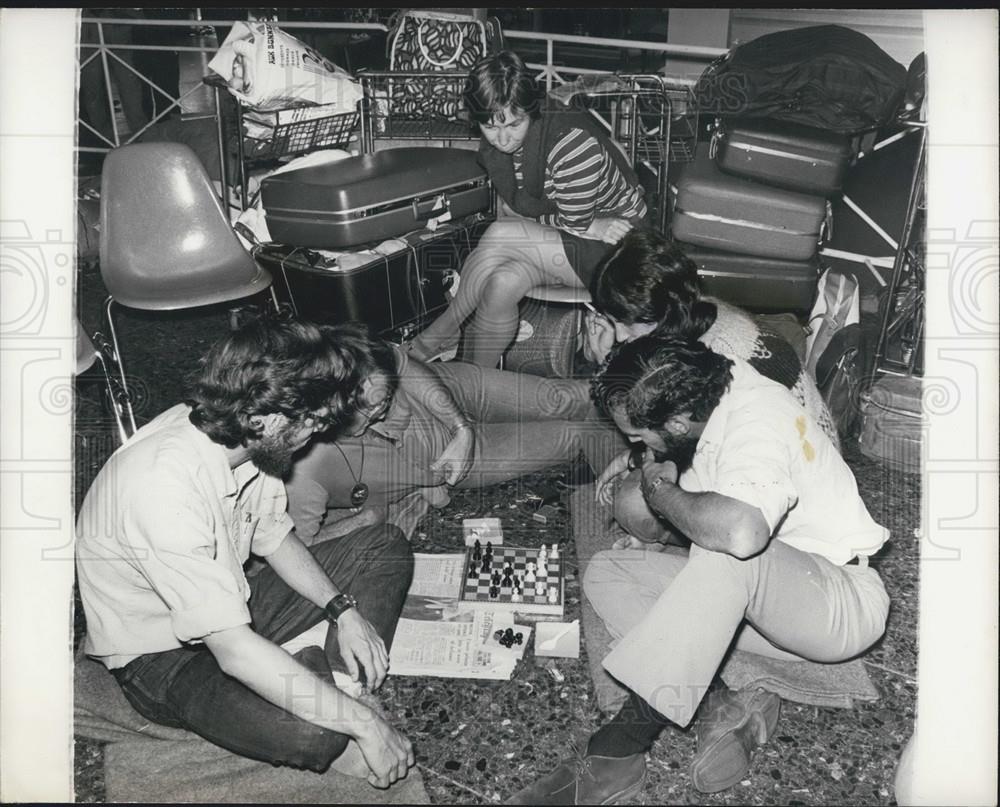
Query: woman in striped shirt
x,y
568,194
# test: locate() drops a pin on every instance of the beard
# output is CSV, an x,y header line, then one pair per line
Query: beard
x,y
680,450
273,455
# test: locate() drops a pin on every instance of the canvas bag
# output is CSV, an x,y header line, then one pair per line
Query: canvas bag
x,y
433,41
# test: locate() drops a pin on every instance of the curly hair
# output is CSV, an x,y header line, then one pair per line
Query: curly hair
x,y
655,377
647,278
369,354
273,366
498,82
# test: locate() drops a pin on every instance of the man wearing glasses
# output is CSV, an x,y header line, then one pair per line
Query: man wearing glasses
x,y
163,538
420,429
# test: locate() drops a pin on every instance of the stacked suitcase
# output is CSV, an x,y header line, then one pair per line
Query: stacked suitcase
x,y
436,200
752,209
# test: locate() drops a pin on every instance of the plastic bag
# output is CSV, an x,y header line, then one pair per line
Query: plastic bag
x,y
268,70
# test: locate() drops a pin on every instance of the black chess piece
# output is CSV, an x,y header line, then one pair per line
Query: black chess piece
x,y
486,564
489,549
518,638
495,579
494,592
509,634
477,551
473,574
498,635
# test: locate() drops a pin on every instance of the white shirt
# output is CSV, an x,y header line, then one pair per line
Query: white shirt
x,y
761,447
162,537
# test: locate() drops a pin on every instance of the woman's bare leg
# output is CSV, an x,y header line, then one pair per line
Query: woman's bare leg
x,y
512,257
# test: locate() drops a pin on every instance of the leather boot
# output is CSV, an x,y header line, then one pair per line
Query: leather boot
x,y
735,724
587,779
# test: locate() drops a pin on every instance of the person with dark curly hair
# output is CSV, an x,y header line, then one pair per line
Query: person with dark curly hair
x,y
163,539
647,284
780,541
568,193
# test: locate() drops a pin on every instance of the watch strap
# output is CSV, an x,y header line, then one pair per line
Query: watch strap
x,y
338,605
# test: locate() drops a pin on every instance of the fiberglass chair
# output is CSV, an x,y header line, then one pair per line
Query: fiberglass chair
x,y
166,242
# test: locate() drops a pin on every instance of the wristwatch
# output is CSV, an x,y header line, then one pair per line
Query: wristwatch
x,y
337,606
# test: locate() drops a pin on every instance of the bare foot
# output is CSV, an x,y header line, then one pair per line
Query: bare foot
x,y
352,762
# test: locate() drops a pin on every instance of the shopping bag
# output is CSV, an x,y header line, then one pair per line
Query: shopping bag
x,y
435,41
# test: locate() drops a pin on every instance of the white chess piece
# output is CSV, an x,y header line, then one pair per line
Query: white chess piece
x,y
515,596
529,575
553,595
543,570
554,554
539,588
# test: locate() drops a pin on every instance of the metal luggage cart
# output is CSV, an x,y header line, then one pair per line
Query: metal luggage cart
x,y
414,105
653,118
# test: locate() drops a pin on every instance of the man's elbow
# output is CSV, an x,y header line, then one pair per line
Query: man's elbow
x,y
749,537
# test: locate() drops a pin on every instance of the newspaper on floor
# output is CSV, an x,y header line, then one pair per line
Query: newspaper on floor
x,y
435,638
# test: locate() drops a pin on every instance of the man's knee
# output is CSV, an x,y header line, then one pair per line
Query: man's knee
x,y
633,514
381,542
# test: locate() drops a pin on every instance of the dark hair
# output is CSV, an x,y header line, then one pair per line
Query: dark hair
x,y
653,378
369,354
272,366
500,81
647,278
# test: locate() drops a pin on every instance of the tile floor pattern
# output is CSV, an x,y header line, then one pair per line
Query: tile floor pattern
x,y
481,741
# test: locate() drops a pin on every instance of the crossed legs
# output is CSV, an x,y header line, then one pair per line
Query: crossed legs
x,y
513,257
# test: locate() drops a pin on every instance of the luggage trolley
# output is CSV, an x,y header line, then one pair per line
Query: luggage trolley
x,y
654,118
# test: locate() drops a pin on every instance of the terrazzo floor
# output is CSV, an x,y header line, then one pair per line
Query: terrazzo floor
x,y
481,741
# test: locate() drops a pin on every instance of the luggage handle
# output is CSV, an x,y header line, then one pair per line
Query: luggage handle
x,y
425,207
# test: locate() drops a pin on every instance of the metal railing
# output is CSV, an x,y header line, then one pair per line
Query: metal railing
x,y
109,53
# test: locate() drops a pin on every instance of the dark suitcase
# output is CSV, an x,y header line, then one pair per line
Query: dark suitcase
x,y
373,197
786,155
757,284
395,295
719,211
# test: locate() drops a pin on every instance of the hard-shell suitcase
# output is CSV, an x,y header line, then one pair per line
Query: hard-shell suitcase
x,y
373,197
396,293
719,211
786,155
892,422
755,283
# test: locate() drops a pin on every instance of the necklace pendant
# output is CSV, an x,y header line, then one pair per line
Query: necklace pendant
x,y
359,494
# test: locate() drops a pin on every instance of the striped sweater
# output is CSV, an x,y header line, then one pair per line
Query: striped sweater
x,y
585,183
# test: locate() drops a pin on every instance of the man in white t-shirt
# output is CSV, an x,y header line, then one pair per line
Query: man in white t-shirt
x,y
163,537
780,541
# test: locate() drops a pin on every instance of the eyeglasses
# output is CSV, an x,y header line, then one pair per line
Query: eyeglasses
x,y
376,411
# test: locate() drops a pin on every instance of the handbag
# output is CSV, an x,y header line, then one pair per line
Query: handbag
x,y
436,41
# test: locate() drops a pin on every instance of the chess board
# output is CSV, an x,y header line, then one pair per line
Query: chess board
x,y
476,590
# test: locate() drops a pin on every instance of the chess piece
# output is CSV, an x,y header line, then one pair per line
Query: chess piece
x,y
516,594
529,575
495,579
507,581
539,588
473,573
489,549
494,592
477,551
554,554
486,564
519,638
553,595
543,571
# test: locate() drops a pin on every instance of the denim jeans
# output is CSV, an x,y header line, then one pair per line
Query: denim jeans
x,y
186,688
